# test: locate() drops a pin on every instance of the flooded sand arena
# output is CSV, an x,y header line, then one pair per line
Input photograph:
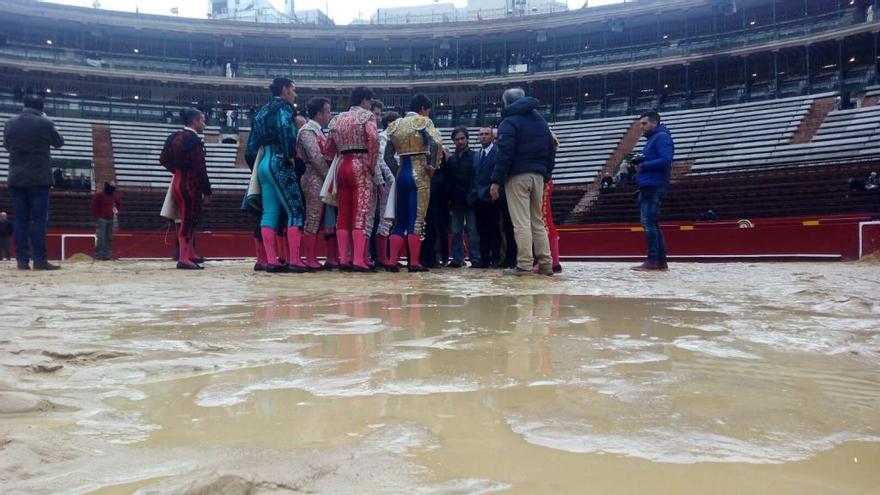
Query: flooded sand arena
x,y
132,377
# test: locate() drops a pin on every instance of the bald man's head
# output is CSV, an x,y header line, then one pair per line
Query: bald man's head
x,y
486,137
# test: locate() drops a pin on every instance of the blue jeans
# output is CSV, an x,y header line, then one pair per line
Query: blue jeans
x,y
650,199
31,207
459,220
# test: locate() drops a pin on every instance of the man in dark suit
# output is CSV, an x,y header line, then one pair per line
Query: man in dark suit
x,y
28,137
487,211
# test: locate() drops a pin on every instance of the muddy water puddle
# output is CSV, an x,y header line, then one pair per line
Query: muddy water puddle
x,y
707,379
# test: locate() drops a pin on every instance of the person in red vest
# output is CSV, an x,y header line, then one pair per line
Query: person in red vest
x,y
105,206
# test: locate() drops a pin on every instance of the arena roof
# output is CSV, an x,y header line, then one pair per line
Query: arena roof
x,y
66,13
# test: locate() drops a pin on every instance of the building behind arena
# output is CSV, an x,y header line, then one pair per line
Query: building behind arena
x,y
773,105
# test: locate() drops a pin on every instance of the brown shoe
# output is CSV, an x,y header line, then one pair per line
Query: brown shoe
x,y
648,266
46,266
545,270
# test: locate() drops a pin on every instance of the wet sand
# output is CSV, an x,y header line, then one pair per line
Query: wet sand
x,y
132,377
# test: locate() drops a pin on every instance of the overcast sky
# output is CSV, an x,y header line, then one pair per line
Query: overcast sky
x,y
342,11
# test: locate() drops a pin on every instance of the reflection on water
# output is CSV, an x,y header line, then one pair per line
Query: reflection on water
x,y
599,378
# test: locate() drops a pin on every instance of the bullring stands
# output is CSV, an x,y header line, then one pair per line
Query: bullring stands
x,y
136,149
584,148
737,135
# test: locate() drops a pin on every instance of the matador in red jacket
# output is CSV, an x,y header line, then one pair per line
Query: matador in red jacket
x,y
184,156
354,136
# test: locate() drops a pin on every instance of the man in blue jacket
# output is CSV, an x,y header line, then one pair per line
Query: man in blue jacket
x,y
654,170
526,156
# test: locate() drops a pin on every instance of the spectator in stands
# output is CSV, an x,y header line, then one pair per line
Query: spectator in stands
x,y
872,182
6,231
105,207
526,156
654,167
58,178
487,212
623,173
607,184
707,216
28,138
184,156
459,172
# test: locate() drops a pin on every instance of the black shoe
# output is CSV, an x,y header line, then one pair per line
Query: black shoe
x,y
24,266
454,265
259,268
186,266
197,261
46,266
359,269
276,268
344,268
391,268
296,269
557,268
418,269
480,266
329,267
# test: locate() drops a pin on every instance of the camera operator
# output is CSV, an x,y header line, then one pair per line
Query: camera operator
x,y
654,167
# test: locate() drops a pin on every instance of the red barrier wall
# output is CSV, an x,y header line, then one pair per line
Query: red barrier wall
x,y
835,237
829,237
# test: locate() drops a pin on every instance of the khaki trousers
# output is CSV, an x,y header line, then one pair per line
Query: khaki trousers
x,y
525,200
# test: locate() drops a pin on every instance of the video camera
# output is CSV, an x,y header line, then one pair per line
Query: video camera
x,y
631,160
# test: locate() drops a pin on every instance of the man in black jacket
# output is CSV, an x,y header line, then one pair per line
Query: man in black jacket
x,y
526,156
28,138
459,181
486,211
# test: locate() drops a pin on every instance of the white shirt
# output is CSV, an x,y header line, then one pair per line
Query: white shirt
x,y
486,150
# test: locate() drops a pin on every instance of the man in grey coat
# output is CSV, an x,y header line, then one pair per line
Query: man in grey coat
x,y
28,138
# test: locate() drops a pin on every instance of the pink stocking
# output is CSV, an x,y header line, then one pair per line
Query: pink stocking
x,y
270,242
396,246
359,239
294,239
343,240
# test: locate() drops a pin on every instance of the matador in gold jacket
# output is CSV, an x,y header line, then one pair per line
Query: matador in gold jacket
x,y
420,148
